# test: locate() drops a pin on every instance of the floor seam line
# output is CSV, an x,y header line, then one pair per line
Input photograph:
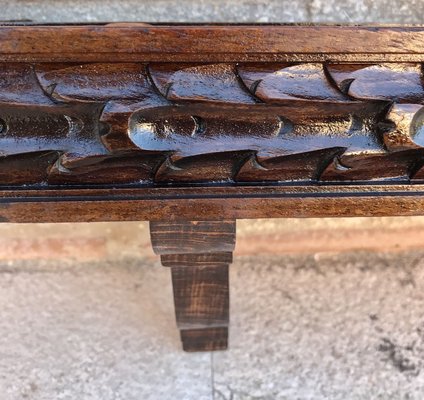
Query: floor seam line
x,y
212,377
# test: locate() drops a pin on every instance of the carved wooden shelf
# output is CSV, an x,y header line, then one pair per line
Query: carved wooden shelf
x,y
198,125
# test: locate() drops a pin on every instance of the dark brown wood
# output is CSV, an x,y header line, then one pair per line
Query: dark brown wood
x,y
198,253
140,123
211,43
182,123
211,203
312,120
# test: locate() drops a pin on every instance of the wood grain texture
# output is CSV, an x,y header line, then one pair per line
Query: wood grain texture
x,y
211,203
193,260
198,253
201,296
211,43
194,237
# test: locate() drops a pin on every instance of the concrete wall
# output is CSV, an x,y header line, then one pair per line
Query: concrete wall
x,y
378,11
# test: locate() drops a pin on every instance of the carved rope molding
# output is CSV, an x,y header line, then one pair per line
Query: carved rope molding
x,y
131,122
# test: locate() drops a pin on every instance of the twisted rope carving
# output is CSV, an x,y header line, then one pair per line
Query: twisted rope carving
x,y
126,123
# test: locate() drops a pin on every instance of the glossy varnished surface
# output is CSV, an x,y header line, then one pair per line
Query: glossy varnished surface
x,y
136,121
181,123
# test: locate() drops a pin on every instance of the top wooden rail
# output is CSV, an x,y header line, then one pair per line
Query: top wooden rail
x,y
210,43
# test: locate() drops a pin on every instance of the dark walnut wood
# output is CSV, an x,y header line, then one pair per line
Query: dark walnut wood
x,y
229,123
183,123
198,253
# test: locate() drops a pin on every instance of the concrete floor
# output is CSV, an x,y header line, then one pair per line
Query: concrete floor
x,y
346,326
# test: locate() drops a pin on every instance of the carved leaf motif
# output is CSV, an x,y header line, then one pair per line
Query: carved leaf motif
x,y
289,82
125,123
401,83
215,83
95,82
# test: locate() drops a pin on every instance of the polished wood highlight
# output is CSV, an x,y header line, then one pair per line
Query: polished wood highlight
x,y
155,123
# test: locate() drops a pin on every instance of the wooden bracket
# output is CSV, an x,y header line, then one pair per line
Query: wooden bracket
x,y
198,253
